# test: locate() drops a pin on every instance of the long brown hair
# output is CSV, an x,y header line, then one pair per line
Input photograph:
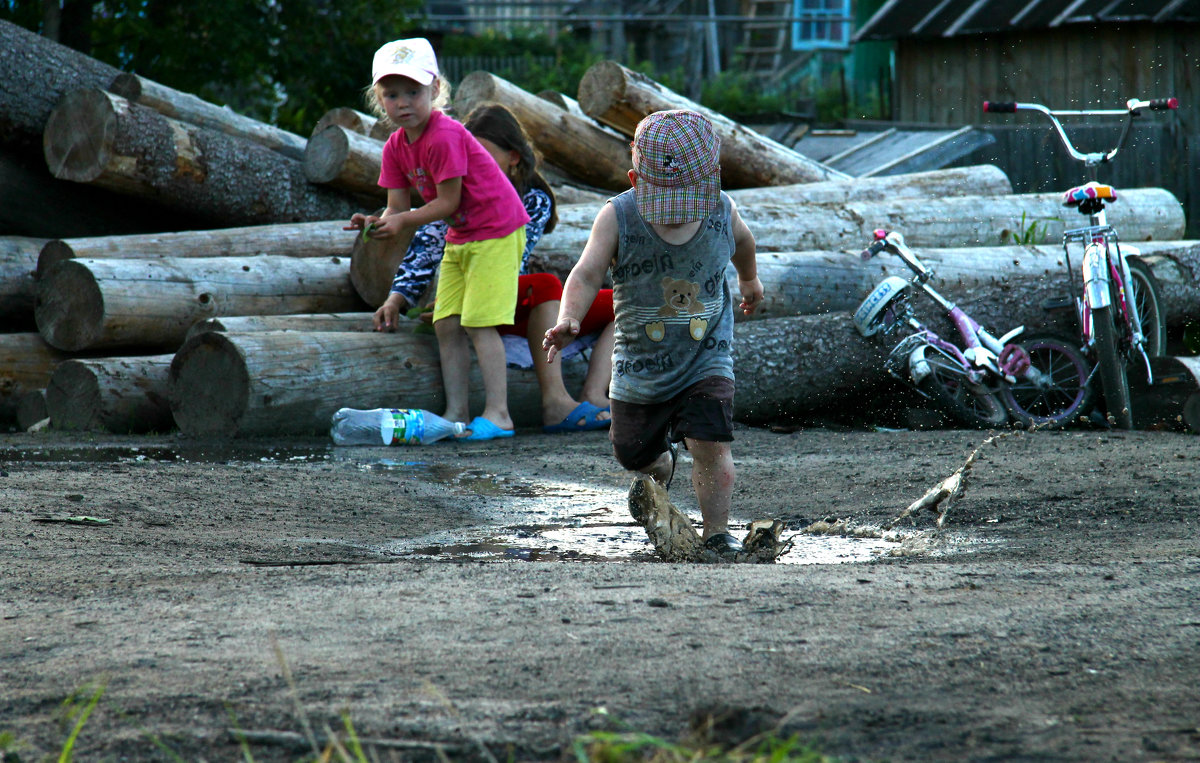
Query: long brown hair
x,y
497,124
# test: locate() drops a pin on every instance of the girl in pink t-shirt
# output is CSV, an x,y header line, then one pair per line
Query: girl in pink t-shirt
x,y
460,183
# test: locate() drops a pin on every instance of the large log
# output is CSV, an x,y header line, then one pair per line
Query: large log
x,y
977,180
186,107
1149,214
577,146
988,276
345,159
150,304
120,395
621,97
18,287
352,119
26,362
35,73
316,239
99,138
266,383
35,203
237,324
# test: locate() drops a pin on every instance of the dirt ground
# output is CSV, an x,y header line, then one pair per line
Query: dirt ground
x,y
489,599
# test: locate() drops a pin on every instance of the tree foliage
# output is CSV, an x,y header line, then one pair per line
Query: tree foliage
x,y
280,61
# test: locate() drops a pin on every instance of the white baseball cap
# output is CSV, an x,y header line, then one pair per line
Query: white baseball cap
x,y
411,58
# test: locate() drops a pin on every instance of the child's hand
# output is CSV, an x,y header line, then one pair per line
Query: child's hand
x,y
387,317
559,336
752,294
359,221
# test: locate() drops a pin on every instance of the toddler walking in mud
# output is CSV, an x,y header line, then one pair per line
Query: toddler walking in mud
x,y
667,242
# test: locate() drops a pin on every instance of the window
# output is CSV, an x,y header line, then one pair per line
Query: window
x,y
820,24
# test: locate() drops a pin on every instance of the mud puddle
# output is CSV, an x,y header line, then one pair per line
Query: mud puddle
x,y
520,518
559,521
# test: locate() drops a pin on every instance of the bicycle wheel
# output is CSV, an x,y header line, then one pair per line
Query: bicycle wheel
x,y
1145,290
951,392
1057,392
1111,366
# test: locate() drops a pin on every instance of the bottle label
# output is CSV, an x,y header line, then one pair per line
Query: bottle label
x,y
408,426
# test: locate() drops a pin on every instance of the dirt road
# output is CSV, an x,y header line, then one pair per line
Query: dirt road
x,y
490,598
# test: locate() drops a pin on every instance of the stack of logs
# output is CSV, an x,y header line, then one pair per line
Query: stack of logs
x,y
255,318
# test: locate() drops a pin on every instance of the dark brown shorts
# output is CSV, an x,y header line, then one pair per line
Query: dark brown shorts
x,y
703,411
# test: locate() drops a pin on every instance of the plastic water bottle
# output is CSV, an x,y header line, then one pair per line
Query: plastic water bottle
x,y
391,426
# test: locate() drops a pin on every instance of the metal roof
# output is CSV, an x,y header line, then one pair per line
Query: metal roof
x,y
950,18
879,151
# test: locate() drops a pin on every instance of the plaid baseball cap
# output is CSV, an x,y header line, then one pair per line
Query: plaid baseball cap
x,y
677,156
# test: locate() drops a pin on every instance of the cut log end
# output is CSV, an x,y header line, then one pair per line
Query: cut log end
x,y
325,154
601,85
53,251
78,139
126,85
210,386
70,307
373,265
73,397
476,88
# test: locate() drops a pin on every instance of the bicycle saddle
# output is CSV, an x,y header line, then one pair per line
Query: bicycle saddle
x,y
1093,192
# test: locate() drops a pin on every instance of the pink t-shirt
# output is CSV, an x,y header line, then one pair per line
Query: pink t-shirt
x,y
490,207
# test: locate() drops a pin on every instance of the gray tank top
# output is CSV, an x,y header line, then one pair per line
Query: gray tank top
x,y
674,313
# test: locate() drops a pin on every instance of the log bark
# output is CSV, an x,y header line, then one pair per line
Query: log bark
x,y
620,98
1004,279
35,203
119,395
352,119
268,383
18,285
35,73
26,362
571,106
344,159
1150,214
316,239
237,324
975,181
99,138
186,107
150,304
577,146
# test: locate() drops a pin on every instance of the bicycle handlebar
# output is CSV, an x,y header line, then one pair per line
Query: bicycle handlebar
x,y
1132,108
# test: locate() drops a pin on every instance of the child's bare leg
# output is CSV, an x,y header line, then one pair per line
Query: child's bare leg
x,y
489,351
556,401
456,365
599,373
712,478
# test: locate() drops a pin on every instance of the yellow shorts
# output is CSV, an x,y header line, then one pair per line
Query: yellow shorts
x,y
478,281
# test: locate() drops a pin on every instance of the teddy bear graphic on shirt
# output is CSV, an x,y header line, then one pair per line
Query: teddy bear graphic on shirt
x,y
682,298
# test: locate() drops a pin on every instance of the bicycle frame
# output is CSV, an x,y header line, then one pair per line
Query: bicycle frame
x,y
1104,267
982,349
